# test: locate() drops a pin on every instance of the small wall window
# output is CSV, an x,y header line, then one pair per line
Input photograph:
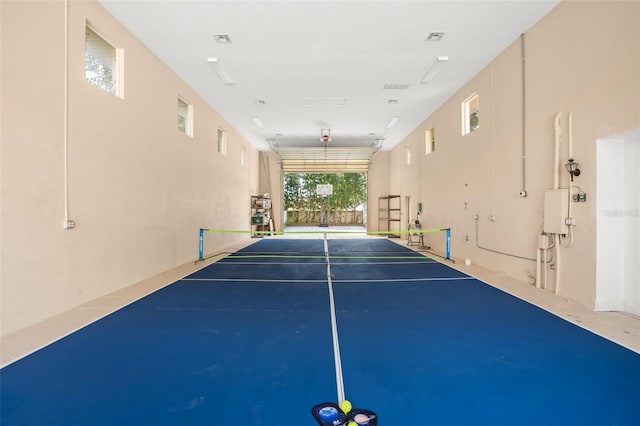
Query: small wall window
x,y
222,142
185,117
429,141
103,63
407,155
243,156
470,114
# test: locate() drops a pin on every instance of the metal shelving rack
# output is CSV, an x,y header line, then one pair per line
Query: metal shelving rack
x,y
389,215
261,219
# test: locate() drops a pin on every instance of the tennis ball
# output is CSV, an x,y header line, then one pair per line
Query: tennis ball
x,y
345,406
352,424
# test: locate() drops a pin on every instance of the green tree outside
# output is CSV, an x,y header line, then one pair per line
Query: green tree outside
x,y
345,206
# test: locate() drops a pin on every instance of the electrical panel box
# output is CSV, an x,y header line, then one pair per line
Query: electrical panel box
x,y
556,210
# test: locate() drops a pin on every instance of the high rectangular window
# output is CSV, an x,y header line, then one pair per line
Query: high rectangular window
x,y
185,117
470,114
103,63
429,141
222,142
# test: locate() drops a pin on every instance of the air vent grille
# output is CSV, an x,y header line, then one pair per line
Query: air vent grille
x,y
396,86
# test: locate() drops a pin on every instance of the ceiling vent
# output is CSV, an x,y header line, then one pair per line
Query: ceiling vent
x,y
437,36
396,86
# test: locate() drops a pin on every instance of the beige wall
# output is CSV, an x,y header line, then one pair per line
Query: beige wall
x,y
581,58
138,188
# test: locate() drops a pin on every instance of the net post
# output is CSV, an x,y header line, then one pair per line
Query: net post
x,y
201,245
448,247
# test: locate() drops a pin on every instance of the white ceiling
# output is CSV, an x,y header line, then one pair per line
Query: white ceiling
x,y
283,52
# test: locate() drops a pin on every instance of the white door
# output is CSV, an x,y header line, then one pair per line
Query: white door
x,y
618,223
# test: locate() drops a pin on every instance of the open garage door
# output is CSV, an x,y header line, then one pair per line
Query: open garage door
x,y
325,159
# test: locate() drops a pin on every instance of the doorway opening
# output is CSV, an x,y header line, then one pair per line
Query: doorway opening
x,y
304,206
618,223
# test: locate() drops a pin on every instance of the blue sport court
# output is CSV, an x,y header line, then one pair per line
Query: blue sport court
x,y
270,331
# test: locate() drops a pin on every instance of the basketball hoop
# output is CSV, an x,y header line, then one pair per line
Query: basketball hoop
x,y
325,136
324,190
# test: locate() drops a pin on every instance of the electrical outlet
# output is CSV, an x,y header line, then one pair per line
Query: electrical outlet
x,y
579,198
69,224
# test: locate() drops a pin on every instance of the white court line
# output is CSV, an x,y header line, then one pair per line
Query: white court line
x,y
355,280
334,328
252,280
420,262
400,280
226,263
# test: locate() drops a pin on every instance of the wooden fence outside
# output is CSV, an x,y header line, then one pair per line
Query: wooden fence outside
x,y
314,217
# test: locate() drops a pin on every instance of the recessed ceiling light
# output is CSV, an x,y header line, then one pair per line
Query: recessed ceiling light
x,y
393,101
214,63
392,122
435,36
222,38
260,102
435,68
258,122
